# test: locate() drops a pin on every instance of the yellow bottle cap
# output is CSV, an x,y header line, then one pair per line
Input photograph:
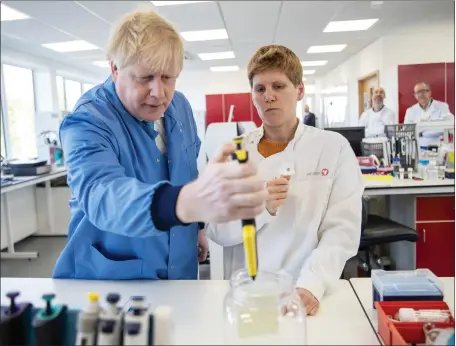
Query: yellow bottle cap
x,y
93,296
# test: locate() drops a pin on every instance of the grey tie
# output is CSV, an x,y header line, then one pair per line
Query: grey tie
x,y
160,140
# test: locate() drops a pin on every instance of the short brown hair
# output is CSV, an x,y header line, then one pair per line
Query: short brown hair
x,y
275,57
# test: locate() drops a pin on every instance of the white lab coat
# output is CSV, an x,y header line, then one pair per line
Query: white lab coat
x,y
374,122
436,111
318,227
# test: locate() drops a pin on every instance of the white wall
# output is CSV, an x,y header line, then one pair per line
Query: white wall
x,y
424,43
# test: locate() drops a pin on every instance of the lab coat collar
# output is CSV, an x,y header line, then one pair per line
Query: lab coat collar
x,y
110,87
259,133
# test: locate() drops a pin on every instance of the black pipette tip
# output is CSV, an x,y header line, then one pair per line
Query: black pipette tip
x,y
113,298
12,296
48,299
253,277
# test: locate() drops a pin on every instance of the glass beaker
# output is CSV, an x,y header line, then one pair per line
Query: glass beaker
x,y
264,311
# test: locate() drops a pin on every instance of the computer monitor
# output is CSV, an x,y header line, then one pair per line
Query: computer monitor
x,y
354,135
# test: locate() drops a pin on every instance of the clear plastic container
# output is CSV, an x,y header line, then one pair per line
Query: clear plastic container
x,y
406,285
432,171
422,167
266,311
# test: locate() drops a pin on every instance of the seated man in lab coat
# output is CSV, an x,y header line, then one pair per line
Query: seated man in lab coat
x,y
427,109
312,222
374,119
131,150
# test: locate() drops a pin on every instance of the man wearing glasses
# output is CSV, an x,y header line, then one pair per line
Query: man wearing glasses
x,y
427,109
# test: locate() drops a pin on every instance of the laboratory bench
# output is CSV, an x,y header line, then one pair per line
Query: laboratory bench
x,y
27,210
198,307
363,290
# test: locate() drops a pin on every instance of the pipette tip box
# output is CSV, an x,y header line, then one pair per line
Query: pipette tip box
x,y
405,285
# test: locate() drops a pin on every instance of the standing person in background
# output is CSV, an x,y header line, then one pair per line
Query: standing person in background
x,y
309,117
374,119
427,109
312,221
131,148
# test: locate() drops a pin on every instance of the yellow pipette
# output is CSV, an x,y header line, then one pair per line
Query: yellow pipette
x,y
248,226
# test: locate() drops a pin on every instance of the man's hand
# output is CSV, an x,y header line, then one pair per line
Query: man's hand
x,y
224,191
203,246
277,193
310,302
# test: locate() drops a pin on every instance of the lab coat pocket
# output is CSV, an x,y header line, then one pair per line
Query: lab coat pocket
x,y
107,269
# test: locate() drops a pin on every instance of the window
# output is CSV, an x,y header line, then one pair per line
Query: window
x,y
20,112
61,92
72,93
86,87
335,110
3,142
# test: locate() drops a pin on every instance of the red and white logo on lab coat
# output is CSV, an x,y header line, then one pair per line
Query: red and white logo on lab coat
x,y
324,172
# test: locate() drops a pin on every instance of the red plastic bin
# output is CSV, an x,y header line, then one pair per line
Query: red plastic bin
x,y
405,333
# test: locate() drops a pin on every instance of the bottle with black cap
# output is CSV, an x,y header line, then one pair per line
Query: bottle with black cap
x,y
49,323
136,329
15,322
110,322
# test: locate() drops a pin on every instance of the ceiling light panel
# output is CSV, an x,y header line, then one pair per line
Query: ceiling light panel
x,y
172,3
327,49
216,56
204,35
308,71
314,63
8,13
350,25
224,68
70,46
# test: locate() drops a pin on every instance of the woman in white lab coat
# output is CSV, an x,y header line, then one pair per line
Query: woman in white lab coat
x,y
312,222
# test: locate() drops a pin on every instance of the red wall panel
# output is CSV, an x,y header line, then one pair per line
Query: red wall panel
x,y
450,86
214,109
409,75
241,104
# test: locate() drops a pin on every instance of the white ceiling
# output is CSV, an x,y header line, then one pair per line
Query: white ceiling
x,y
250,24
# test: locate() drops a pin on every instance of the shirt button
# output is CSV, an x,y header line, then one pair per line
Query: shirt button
x,y
172,266
158,160
169,161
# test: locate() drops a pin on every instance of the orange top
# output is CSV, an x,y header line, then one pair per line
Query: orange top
x,y
268,148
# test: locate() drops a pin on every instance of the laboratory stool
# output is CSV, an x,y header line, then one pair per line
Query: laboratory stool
x,y
377,230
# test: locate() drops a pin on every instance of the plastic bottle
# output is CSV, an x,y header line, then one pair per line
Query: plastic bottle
x,y
425,315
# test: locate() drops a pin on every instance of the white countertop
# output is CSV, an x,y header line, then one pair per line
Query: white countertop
x,y
407,186
198,307
363,289
21,182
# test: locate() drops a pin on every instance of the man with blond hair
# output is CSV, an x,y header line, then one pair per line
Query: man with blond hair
x,y
131,150
312,221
